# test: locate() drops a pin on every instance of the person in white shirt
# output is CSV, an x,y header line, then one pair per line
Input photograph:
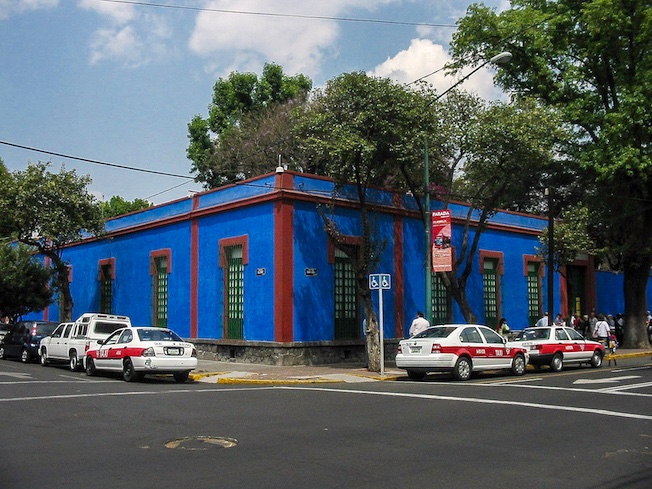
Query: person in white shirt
x,y
419,324
601,330
543,321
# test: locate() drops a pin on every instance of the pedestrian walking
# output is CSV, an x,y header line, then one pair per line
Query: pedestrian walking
x,y
601,331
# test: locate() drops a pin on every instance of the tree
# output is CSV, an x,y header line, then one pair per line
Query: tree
x,y
359,129
117,206
24,282
592,62
49,211
220,148
476,150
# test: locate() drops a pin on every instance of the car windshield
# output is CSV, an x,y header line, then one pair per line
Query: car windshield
x,y
436,332
102,327
45,329
533,334
158,335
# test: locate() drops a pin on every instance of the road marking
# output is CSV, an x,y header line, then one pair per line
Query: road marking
x,y
608,380
17,375
619,388
552,407
570,389
129,393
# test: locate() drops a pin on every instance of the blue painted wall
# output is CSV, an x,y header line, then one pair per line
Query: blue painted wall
x,y
229,215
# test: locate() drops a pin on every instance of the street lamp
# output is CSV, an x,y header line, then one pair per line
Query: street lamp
x,y
499,59
551,256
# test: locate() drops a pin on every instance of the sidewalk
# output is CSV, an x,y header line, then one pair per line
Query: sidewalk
x,y
211,371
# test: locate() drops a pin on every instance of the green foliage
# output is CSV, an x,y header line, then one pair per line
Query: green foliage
x,y
571,238
117,206
591,61
48,211
24,281
244,107
361,128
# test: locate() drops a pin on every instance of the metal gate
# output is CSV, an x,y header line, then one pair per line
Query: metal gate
x,y
161,292
234,292
490,286
346,299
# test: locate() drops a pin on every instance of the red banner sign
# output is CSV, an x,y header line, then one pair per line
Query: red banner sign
x,y
441,233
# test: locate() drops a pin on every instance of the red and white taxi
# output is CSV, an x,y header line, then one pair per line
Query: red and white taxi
x,y
460,349
557,345
137,351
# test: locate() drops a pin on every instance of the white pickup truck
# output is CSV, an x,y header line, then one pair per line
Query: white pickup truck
x,y
69,341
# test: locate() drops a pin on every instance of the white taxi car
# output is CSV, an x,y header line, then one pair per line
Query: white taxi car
x,y
137,351
460,349
557,345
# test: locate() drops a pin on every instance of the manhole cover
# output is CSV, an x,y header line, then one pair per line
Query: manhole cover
x,y
201,442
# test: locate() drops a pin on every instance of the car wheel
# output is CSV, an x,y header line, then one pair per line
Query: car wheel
x,y
557,363
129,372
415,375
518,364
596,359
2,353
90,366
181,377
463,369
73,364
24,355
44,357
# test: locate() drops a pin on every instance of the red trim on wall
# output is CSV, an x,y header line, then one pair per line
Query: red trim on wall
x,y
103,263
166,252
223,244
527,259
348,240
399,305
496,255
236,241
194,276
283,269
563,293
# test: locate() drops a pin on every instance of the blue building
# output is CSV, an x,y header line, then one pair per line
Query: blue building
x,y
247,271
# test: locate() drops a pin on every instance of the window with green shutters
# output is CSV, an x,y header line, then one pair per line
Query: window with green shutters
x,y
440,300
533,293
234,285
346,299
490,289
106,289
161,291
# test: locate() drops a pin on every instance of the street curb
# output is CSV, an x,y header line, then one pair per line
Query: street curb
x,y
311,380
376,377
618,356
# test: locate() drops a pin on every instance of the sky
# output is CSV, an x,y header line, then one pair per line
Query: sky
x,y
118,81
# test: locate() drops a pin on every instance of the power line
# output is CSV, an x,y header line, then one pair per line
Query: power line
x,y
96,162
272,14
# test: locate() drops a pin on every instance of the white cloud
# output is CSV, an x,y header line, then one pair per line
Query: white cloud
x,y
9,7
133,37
120,13
298,44
425,59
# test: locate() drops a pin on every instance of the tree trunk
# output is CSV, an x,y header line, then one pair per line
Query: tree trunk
x,y
372,333
63,284
459,294
636,276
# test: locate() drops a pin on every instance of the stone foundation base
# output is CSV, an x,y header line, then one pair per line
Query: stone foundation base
x,y
285,354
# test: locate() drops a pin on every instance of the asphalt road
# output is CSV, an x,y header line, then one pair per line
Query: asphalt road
x,y
581,428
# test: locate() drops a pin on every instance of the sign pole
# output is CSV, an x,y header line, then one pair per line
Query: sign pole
x,y
381,328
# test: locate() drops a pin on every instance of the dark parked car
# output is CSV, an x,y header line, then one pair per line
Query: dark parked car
x,y
23,339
